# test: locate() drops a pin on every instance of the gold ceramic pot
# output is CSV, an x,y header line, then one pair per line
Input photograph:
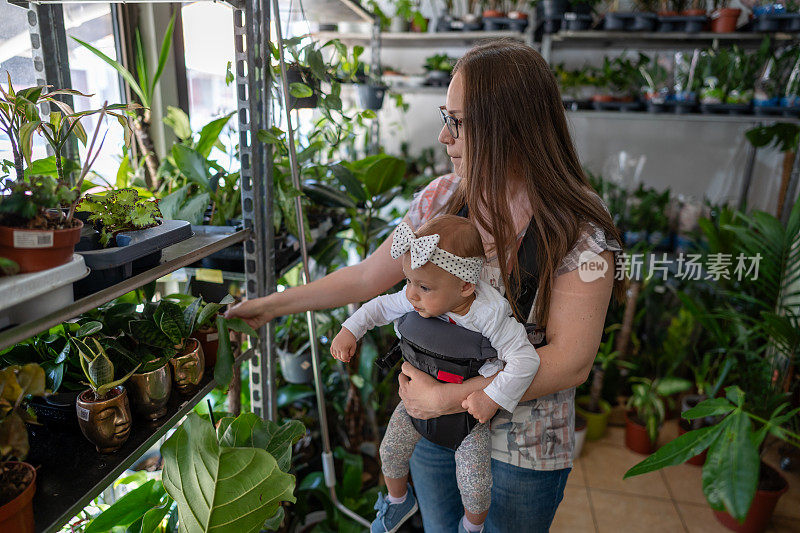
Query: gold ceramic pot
x,y
106,423
150,392
188,367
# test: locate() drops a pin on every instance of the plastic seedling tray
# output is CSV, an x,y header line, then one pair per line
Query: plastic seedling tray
x,y
135,252
26,297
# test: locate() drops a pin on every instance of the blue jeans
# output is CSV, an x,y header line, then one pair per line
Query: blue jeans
x,y
522,499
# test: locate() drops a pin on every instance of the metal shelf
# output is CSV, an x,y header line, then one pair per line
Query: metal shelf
x,y
173,257
671,117
628,38
70,471
450,38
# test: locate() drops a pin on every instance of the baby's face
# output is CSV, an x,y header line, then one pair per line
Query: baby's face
x,y
432,290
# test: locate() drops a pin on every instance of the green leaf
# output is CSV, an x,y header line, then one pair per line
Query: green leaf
x,y
190,315
210,310
166,44
194,210
300,90
730,475
153,518
671,385
223,370
351,184
218,487
273,523
148,333
710,407
210,133
676,451
369,113
191,164
129,508
171,321
237,324
89,328
122,71
288,394
735,395
179,122
383,174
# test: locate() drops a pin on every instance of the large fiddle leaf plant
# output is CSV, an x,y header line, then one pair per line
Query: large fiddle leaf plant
x,y
233,479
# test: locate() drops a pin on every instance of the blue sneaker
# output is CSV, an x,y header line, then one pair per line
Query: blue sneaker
x,y
392,515
461,528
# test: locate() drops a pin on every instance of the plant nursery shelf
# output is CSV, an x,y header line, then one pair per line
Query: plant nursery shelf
x,y
688,117
453,38
71,473
661,39
173,257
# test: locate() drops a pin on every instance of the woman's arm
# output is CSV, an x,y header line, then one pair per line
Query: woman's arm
x,y
574,331
357,283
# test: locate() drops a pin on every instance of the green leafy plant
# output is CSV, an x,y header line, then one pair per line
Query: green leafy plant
x,y
120,210
97,367
143,84
35,203
731,471
17,382
232,479
607,356
441,62
647,400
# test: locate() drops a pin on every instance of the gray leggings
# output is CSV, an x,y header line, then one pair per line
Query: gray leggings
x,y
473,459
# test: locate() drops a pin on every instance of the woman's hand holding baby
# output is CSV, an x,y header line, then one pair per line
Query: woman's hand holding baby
x,y
479,405
344,345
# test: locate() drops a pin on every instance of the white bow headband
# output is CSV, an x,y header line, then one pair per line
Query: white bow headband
x,y
425,249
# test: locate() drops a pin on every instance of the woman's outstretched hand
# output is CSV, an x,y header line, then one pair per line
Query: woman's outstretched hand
x,y
255,312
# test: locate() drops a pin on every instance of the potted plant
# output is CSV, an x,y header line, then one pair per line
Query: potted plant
x,y
621,82
168,327
593,408
104,414
656,92
743,495
517,17
371,91
34,232
17,478
439,69
151,386
646,411
406,13
724,18
579,15
645,18
549,13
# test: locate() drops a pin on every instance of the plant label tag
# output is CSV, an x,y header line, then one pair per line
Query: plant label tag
x,y
210,275
33,239
305,365
212,337
83,413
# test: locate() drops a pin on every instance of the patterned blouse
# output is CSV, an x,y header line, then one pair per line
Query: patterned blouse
x,y
539,434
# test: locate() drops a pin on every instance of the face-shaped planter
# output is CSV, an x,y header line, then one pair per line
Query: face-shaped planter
x,y
188,367
106,423
150,392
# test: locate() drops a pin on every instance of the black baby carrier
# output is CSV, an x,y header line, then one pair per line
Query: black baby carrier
x,y
452,354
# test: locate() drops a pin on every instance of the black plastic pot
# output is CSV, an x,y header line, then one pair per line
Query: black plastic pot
x,y
726,109
767,23
471,26
551,25
552,8
135,251
577,21
670,24
519,25
656,107
495,23
644,22
437,78
57,411
618,21
298,74
618,106
371,96
768,110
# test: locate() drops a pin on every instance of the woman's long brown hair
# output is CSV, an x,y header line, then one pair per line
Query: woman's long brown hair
x,y
515,125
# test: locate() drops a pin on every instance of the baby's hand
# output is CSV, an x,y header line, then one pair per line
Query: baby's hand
x,y
479,405
344,345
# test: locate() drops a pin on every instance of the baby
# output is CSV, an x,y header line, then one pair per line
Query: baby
x,y
442,265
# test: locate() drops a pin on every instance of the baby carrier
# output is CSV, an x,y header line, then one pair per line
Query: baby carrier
x,y
451,353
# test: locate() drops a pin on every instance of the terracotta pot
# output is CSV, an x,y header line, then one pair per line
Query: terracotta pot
x,y
636,437
667,13
724,20
209,340
150,392
760,513
699,459
17,515
188,367
694,13
517,15
416,28
603,98
493,13
596,422
35,250
106,423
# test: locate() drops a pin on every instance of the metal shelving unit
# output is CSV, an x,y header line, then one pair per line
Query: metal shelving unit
x,y
174,257
450,38
671,117
73,473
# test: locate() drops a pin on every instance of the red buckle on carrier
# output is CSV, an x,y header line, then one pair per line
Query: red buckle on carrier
x,y
448,377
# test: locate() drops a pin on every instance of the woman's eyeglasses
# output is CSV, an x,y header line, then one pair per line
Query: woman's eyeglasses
x,y
450,121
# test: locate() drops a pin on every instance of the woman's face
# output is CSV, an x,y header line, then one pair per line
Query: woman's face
x,y
455,107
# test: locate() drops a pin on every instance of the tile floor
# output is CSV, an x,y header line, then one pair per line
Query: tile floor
x,y
671,500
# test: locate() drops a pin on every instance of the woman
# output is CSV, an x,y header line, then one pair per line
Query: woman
x,y
515,170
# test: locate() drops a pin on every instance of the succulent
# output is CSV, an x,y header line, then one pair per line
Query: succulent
x,y
97,367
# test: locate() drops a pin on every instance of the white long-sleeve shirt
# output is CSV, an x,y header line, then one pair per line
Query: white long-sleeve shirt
x,y
490,315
